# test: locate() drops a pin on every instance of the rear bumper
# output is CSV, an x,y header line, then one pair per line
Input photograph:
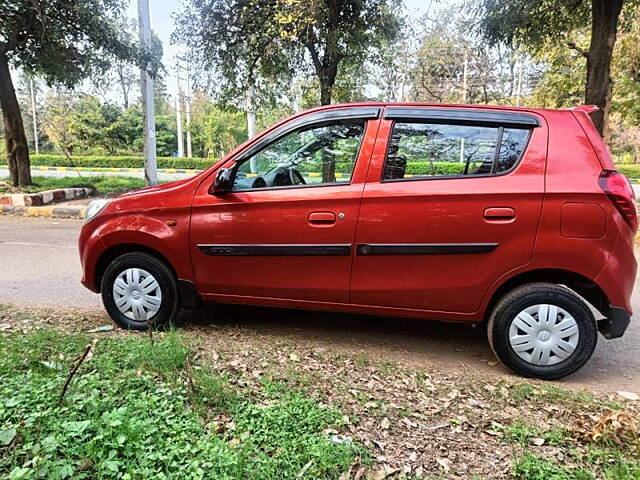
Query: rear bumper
x,y
615,324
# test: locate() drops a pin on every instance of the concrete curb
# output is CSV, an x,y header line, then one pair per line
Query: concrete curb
x,y
45,197
57,212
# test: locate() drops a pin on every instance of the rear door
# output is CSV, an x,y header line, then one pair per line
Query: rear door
x,y
452,202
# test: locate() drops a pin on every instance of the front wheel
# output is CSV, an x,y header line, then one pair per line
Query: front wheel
x,y
542,330
139,291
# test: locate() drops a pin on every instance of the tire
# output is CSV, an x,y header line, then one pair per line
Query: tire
x,y
556,352
147,302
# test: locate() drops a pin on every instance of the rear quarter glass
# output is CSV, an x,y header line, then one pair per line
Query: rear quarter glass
x,y
602,152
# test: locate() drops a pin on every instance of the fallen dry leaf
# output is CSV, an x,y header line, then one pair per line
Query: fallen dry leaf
x,y
445,463
631,396
385,424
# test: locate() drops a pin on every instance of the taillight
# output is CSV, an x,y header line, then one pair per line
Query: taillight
x,y
620,192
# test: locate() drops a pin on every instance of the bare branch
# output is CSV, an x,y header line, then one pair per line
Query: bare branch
x,y
580,50
73,371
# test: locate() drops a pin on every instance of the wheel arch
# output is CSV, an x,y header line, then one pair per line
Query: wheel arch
x,y
583,286
115,251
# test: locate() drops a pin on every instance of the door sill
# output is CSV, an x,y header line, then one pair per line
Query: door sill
x,y
344,307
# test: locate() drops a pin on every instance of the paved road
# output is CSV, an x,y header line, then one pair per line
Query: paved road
x,y
39,265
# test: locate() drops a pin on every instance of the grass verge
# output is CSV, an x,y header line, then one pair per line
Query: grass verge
x,y
137,410
224,399
103,185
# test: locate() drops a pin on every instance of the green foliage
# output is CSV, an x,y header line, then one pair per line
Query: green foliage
x,y
561,86
128,414
103,185
222,130
83,123
65,41
246,41
631,171
100,161
531,467
532,23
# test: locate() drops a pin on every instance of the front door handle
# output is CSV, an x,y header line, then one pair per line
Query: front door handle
x,y
497,214
322,218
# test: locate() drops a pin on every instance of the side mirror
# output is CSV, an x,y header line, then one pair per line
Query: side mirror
x,y
222,183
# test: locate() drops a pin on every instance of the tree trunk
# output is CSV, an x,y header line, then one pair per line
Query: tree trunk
x,y
604,24
251,122
327,77
328,162
14,136
325,94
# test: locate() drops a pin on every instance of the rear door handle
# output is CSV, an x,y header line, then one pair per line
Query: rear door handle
x,y
322,218
497,214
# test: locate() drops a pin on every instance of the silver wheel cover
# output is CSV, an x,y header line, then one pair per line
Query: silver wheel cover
x,y
137,294
544,334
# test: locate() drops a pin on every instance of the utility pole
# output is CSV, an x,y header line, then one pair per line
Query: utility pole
x,y
464,77
179,122
146,89
251,123
33,115
519,87
464,97
188,113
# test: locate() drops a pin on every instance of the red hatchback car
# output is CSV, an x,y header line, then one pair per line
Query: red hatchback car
x,y
513,217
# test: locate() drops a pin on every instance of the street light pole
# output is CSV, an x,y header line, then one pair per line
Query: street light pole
x,y
179,121
146,89
33,115
188,113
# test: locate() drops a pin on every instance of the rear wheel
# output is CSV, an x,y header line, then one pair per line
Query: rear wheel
x,y
139,290
542,330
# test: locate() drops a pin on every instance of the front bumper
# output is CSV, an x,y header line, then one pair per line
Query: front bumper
x,y
615,324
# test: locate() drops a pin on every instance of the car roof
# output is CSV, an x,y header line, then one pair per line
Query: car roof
x,y
588,108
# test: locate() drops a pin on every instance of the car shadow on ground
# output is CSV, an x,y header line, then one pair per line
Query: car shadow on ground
x,y
415,342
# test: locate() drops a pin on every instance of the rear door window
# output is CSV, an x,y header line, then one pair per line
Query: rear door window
x,y
435,150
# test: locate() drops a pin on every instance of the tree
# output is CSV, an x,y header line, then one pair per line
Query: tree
x,y
561,83
391,65
335,31
62,41
536,22
234,46
245,39
452,64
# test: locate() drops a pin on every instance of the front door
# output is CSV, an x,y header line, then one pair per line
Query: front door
x,y
285,229
452,202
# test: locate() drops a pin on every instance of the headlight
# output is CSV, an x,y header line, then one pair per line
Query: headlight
x,y
95,208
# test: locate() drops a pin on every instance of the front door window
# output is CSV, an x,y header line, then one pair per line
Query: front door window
x,y
318,155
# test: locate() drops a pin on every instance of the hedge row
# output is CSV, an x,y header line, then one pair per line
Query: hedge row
x,y
114,162
413,168
632,171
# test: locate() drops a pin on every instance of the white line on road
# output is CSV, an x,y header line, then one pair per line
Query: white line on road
x,y
28,244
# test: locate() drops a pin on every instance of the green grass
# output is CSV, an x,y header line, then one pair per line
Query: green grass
x,y
522,433
103,185
136,410
609,465
531,467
